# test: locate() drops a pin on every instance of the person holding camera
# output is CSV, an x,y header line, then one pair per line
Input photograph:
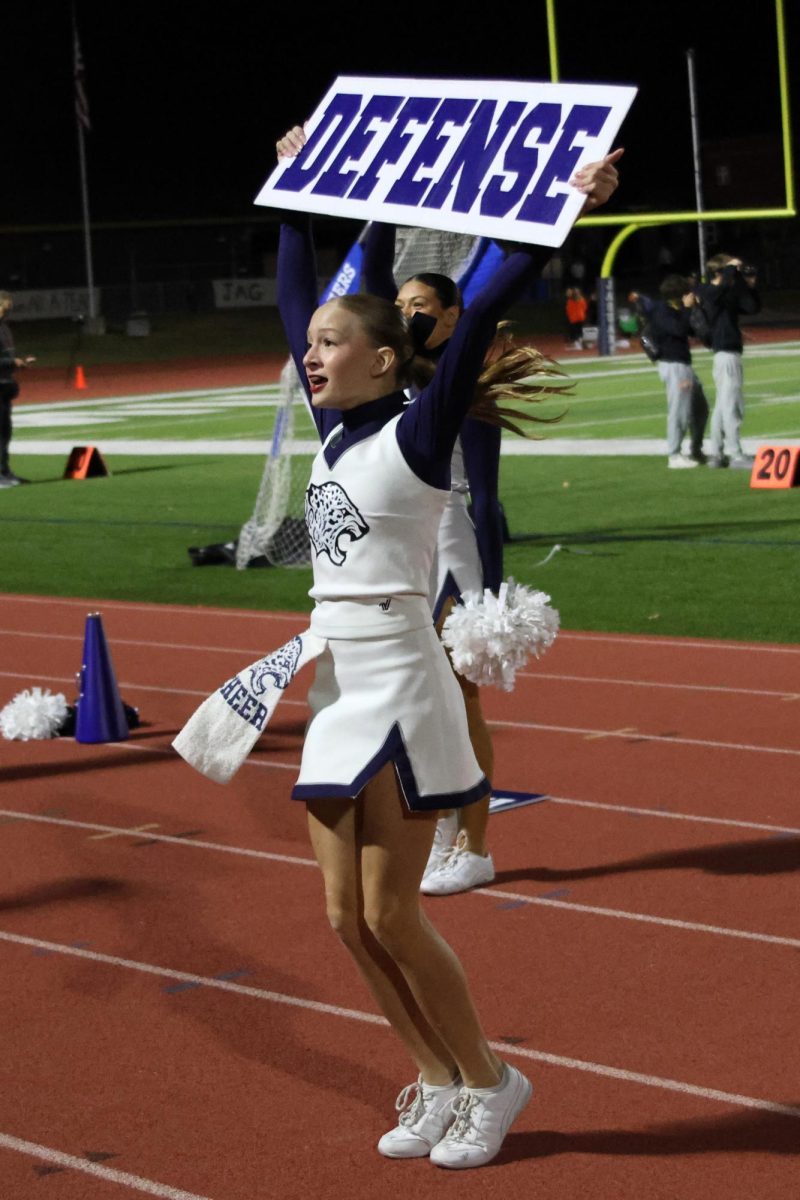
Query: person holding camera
x,y
729,294
668,324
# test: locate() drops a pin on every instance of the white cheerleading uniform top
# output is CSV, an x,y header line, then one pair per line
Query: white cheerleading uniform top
x,y
372,524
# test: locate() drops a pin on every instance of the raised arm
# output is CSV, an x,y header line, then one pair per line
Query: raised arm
x,y
379,279
297,298
297,283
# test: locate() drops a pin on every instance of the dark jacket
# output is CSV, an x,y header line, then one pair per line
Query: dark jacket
x,y
723,303
8,362
670,331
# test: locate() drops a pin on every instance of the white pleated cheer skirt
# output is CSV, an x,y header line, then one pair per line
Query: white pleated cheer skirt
x,y
389,699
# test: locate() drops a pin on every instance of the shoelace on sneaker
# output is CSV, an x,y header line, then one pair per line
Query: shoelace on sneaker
x,y
462,1106
411,1103
452,857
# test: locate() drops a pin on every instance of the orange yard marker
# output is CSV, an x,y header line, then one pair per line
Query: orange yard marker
x,y
85,462
776,467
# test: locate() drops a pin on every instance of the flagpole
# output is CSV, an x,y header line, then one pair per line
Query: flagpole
x,y
87,236
95,324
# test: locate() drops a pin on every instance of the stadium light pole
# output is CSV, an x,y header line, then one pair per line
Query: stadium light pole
x,y
698,178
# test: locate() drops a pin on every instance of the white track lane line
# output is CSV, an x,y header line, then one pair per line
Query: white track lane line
x,y
639,736
133,687
505,1048
132,606
120,641
622,915
149,1186
291,860
168,752
652,683
491,893
673,816
668,643
535,676
565,636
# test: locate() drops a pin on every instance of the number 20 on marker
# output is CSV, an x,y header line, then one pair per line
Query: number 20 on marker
x,y
776,467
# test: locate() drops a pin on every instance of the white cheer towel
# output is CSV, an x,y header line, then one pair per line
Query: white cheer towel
x,y
218,737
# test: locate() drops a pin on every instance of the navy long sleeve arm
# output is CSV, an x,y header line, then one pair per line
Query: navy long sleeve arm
x,y
379,261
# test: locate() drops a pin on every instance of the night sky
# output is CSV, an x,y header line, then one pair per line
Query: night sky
x,y
186,104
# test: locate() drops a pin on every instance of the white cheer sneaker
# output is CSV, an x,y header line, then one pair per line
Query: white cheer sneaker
x,y
443,841
458,871
483,1117
425,1114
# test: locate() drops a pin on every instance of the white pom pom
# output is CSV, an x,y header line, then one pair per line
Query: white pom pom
x,y
490,637
33,714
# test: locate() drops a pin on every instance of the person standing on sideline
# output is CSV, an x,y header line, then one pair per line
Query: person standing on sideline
x,y
9,390
669,320
576,309
729,294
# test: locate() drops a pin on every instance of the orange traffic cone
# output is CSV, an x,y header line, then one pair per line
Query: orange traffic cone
x,y
80,379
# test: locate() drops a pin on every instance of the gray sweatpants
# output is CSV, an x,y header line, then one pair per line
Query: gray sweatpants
x,y
726,420
679,380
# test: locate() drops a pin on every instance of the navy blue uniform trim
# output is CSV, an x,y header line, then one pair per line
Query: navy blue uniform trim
x,y
393,751
360,423
448,591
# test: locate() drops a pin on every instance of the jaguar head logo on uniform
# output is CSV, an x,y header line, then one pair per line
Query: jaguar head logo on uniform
x,y
330,514
279,666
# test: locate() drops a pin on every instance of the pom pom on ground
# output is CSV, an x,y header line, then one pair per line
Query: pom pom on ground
x,y
491,637
33,714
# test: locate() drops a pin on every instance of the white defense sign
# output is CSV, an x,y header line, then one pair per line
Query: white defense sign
x,y
471,156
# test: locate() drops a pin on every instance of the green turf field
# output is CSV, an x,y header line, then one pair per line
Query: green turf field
x,y
644,549
616,398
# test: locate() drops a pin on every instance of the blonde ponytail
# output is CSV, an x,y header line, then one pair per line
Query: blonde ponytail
x,y
515,374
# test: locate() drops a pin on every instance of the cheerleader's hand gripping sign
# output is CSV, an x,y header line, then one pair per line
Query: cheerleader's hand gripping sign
x,y
487,158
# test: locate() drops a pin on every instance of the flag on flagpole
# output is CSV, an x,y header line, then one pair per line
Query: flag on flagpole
x,y
81,102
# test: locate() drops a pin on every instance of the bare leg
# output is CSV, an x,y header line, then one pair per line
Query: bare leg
x,y
473,819
394,848
335,829
372,853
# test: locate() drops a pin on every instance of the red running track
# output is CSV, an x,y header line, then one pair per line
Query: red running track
x,y
185,1024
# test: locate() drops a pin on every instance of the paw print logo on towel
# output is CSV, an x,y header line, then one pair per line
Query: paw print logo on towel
x,y
279,666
